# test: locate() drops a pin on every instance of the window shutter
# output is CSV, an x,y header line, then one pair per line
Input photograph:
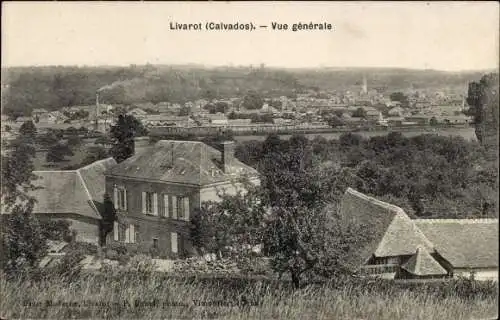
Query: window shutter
x,y
186,208
155,204
173,242
144,202
125,198
116,235
165,205
132,233
127,234
174,207
115,197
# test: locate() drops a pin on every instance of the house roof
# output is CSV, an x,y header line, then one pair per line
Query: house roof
x,y
185,162
39,110
391,231
93,177
423,264
62,192
465,243
72,191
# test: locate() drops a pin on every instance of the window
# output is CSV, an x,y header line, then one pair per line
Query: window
x,y
155,243
120,198
393,260
183,208
173,242
116,235
130,234
149,203
165,205
174,207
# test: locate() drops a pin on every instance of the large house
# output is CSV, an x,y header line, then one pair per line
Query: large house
x,y
73,195
397,246
157,191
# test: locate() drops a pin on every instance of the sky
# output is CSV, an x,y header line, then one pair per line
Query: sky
x,y
452,36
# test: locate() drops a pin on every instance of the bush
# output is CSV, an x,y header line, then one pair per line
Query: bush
x,y
69,266
142,264
117,251
57,230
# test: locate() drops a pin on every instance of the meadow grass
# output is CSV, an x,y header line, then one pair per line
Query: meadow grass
x,y
152,296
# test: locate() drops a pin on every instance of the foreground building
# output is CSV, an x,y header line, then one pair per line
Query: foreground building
x,y
73,195
400,247
156,191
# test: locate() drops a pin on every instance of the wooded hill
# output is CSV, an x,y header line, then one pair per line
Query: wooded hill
x,y
54,87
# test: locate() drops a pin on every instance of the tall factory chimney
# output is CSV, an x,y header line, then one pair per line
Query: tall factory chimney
x,y
96,123
365,84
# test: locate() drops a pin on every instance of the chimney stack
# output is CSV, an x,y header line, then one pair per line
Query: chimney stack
x,y
96,124
227,155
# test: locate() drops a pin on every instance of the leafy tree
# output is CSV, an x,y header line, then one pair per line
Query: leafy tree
x,y
94,153
48,139
335,121
58,153
184,111
483,101
309,244
57,230
28,130
17,171
232,115
74,141
108,218
252,100
359,113
231,227
21,241
400,97
103,140
122,136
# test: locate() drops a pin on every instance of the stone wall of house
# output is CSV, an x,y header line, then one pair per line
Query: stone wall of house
x,y
149,228
135,188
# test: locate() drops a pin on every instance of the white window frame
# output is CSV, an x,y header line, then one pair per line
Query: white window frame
x,y
180,208
120,197
174,207
165,205
186,208
130,234
183,208
116,231
174,242
152,207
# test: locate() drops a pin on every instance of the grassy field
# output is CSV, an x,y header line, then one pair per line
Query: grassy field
x,y
136,296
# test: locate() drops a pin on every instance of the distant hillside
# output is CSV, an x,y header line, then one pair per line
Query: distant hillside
x,y
26,88
385,79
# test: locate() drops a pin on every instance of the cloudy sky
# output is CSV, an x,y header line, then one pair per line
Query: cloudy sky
x,y
445,35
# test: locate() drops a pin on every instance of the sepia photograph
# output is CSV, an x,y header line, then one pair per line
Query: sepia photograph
x,y
249,160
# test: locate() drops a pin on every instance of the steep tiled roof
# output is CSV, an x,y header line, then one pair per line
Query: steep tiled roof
x,y
93,177
465,243
390,231
61,192
73,191
423,264
186,162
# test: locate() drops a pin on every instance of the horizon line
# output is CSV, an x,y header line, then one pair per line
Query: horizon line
x,y
247,66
